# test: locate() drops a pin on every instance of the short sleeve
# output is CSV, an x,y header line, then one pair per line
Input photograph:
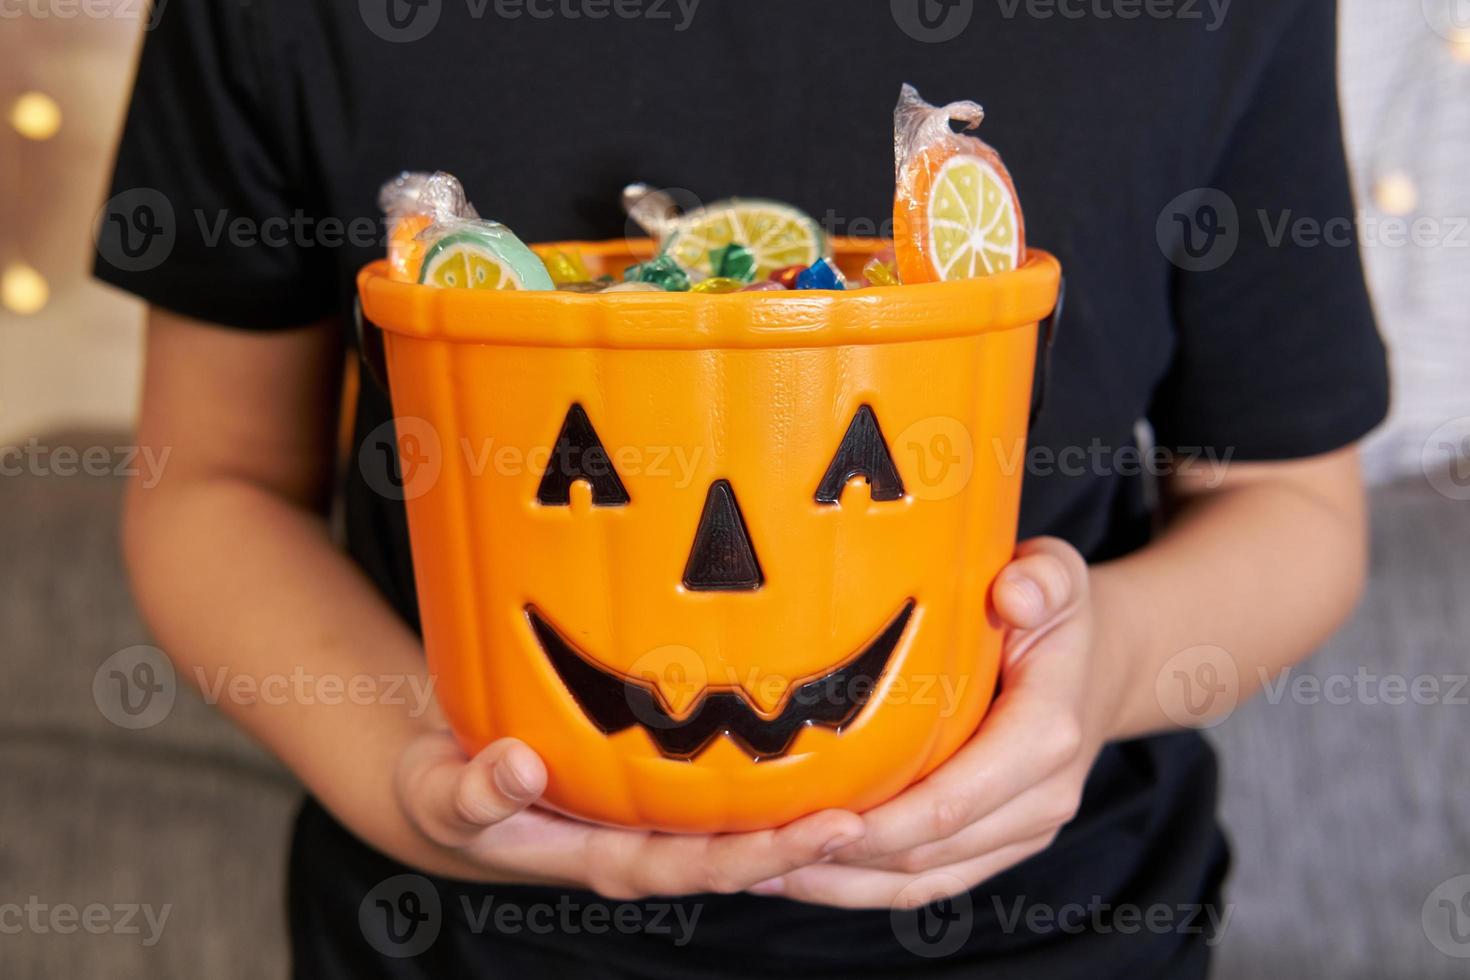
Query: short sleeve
x,y
1278,355
207,207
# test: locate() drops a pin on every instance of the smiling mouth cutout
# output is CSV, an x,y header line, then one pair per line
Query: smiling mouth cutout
x,y
613,702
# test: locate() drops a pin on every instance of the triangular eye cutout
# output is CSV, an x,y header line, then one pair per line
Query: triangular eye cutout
x,y
722,559
579,455
862,453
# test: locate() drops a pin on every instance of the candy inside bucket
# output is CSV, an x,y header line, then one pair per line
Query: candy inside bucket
x,y
955,213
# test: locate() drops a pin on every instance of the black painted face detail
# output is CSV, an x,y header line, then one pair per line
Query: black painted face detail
x,y
864,453
579,455
722,559
614,703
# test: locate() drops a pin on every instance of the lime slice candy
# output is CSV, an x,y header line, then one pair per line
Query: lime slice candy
x,y
483,255
778,235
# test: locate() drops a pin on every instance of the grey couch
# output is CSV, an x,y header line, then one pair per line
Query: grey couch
x,y
1344,816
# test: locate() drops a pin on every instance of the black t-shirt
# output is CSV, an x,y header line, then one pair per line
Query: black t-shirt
x,y
1157,150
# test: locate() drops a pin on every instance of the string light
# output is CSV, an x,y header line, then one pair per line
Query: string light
x,y
1460,45
35,115
23,290
1395,193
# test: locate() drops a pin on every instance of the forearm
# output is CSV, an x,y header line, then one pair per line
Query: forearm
x,y
246,592
1264,569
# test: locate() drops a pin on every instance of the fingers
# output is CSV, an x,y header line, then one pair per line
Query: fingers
x,y
450,799
846,886
1025,740
626,866
1043,809
1047,577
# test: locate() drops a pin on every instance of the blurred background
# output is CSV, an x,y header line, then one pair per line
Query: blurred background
x,y
1353,856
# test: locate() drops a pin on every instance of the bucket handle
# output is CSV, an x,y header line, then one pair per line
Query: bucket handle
x,y
375,363
1048,332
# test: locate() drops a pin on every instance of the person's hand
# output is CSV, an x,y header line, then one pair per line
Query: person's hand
x,y
1005,794
479,812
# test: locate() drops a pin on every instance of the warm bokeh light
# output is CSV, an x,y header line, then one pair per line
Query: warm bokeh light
x,y
1460,45
23,290
36,116
1395,193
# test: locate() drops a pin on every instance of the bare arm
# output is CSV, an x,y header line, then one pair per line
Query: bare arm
x,y
233,567
1265,566
234,570
1263,563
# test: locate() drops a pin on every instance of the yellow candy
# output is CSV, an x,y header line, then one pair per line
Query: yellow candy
x,y
880,273
717,284
635,287
566,267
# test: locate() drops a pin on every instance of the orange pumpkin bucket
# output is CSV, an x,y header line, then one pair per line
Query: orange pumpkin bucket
x,y
722,560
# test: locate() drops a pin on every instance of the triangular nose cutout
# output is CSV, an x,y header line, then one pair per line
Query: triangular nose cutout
x,y
722,559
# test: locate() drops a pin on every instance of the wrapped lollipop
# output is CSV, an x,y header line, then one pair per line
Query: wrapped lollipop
x,y
737,238
955,210
412,202
471,253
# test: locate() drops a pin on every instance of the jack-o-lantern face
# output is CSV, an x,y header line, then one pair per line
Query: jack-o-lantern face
x,y
722,561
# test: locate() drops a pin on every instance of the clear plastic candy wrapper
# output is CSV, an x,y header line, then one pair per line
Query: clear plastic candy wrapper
x,y
412,202
472,253
955,210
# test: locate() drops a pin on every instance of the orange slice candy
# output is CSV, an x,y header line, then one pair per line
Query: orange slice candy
x,y
405,253
955,212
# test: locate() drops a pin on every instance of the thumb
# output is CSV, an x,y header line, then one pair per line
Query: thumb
x,y
1047,578
451,798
